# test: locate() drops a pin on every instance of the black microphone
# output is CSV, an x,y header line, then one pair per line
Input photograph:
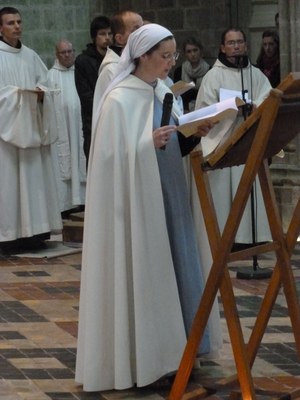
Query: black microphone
x,y
166,113
241,61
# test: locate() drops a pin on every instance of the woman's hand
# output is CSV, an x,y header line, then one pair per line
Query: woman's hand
x,y
204,127
162,135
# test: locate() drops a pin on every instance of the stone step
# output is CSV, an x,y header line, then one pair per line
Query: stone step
x,y
72,231
78,216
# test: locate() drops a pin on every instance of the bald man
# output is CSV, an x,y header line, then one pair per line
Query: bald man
x,y
67,151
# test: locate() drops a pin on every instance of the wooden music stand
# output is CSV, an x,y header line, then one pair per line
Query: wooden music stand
x,y
265,132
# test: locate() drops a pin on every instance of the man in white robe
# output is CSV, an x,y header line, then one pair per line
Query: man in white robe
x,y
28,200
227,74
67,151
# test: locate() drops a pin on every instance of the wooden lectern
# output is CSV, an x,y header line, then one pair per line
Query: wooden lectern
x,y
265,132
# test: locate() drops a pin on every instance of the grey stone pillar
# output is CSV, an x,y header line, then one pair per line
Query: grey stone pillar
x,y
286,171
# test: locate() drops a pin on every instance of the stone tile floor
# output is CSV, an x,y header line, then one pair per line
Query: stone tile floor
x,y
38,327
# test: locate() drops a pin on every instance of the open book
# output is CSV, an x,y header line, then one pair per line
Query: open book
x,y
226,109
181,87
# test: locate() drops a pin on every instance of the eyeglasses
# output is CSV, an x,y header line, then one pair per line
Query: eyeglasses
x,y
169,56
234,42
65,52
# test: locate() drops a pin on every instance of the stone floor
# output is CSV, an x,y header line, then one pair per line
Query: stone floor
x,y
38,327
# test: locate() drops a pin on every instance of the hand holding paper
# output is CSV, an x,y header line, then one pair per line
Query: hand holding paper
x,y
189,123
203,129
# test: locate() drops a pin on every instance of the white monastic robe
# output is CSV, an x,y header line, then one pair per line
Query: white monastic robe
x,y
224,182
131,329
67,152
106,72
28,198
130,321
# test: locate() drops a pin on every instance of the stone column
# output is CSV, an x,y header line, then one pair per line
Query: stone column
x,y
262,18
286,171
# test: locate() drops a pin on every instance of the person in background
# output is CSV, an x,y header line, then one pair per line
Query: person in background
x,y
268,60
29,209
192,70
86,73
67,151
224,80
122,24
141,273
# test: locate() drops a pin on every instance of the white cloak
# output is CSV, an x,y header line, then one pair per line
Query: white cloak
x,y
106,73
67,152
131,329
224,182
28,199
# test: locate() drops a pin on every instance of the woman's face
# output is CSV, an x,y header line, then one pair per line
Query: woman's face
x,y
159,63
269,45
192,54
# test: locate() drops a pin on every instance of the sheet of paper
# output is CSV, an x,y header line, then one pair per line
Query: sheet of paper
x,y
225,94
217,135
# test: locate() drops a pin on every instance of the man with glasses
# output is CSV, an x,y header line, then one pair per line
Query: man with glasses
x,y
67,151
231,75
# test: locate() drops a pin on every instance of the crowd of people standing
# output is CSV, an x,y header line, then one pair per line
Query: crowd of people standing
x,y
94,137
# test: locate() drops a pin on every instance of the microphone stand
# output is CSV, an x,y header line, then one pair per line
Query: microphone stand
x,y
254,272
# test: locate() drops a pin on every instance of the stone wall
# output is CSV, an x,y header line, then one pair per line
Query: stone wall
x,y
47,21
203,19
286,172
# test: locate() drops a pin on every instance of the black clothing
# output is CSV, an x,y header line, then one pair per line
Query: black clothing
x,y
117,49
177,74
21,245
270,66
187,144
240,61
188,96
86,74
18,46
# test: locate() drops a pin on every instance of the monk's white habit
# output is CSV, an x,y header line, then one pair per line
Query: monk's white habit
x,y
107,70
67,152
224,182
28,200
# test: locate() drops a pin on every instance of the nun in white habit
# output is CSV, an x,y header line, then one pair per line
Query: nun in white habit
x,y
141,275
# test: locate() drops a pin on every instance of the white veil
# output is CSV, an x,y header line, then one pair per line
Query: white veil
x,y
139,42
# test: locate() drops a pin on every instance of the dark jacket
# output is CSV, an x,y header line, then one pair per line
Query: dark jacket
x,y
86,74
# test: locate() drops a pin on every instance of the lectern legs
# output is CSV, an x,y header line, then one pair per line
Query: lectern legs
x,y
219,278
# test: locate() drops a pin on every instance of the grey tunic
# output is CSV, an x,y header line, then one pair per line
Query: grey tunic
x,y
180,227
